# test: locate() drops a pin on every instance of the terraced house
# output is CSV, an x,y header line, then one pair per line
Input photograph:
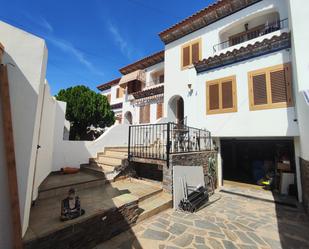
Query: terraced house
x,y
229,89
234,68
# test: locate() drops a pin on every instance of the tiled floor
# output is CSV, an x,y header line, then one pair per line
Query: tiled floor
x,y
237,218
44,217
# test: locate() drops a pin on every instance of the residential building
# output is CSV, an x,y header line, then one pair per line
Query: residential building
x,y
137,97
232,68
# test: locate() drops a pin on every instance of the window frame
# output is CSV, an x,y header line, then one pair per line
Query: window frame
x,y
189,44
267,70
234,97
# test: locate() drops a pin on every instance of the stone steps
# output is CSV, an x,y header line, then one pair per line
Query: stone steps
x,y
154,205
109,172
59,185
110,160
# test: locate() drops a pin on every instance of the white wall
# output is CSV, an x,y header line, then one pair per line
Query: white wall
x,y
73,153
29,55
243,122
43,163
299,11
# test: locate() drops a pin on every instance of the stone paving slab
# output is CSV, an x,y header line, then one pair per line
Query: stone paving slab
x,y
230,222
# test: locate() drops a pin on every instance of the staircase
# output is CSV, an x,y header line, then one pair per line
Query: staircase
x,y
109,163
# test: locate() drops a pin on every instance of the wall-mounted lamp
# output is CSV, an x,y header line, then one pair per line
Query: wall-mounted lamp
x,y
190,87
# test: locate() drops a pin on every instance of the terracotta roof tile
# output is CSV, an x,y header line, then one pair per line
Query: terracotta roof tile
x,y
203,18
108,85
144,63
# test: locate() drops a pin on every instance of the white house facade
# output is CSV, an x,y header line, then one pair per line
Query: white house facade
x,y
232,69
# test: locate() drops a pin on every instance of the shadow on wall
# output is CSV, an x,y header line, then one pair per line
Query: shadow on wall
x,y
24,103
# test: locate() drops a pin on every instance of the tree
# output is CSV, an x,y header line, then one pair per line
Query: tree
x,y
85,108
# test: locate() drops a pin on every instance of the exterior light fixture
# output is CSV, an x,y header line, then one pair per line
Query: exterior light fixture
x,y
190,86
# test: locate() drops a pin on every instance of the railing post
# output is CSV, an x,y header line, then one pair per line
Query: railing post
x,y
129,144
168,144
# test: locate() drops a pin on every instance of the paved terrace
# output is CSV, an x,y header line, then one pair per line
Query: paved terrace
x,y
237,218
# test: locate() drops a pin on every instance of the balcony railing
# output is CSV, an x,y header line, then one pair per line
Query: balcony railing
x,y
158,141
252,34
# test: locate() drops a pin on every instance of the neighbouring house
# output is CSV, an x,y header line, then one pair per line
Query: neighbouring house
x,y
137,97
235,68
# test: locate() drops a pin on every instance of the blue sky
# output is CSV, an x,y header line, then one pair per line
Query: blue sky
x,y
88,41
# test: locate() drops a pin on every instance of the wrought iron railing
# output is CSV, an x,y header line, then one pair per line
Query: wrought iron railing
x,y
158,141
252,34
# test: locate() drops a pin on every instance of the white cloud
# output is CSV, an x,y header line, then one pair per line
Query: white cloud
x,y
125,48
69,48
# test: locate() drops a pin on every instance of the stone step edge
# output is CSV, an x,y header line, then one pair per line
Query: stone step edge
x,y
146,214
69,185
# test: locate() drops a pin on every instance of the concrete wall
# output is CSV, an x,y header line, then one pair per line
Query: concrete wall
x,y
298,12
44,158
28,54
74,153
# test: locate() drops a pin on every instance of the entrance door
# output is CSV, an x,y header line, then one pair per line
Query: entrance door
x,y
180,111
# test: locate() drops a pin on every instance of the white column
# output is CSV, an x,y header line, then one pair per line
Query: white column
x,y
219,162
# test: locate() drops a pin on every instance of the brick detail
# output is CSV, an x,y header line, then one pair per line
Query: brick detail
x,y
185,159
91,232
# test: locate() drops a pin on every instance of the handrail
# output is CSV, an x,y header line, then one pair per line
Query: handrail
x,y
251,34
158,141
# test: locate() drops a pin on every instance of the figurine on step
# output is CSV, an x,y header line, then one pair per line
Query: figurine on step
x,y
70,207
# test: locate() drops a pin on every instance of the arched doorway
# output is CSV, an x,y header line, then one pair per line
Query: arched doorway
x,y
176,109
128,118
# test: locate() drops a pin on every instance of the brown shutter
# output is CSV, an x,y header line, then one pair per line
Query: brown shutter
x,y
117,93
214,97
227,94
141,115
186,56
144,114
108,98
259,89
195,52
159,110
278,86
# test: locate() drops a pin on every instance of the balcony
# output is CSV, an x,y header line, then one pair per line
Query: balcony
x,y
265,30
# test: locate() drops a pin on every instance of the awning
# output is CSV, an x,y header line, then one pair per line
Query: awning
x,y
136,75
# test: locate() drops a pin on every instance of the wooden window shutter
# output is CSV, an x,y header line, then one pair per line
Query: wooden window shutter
x,y
259,87
144,114
141,115
227,94
195,52
186,56
108,98
117,93
159,110
278,86
214,97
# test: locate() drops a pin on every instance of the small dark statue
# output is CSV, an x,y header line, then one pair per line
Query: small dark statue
x,y
70,207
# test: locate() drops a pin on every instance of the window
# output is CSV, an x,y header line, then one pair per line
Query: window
x,y
108,96
190,53
119,93
159,110
144,114
161,78
221,95
270,87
